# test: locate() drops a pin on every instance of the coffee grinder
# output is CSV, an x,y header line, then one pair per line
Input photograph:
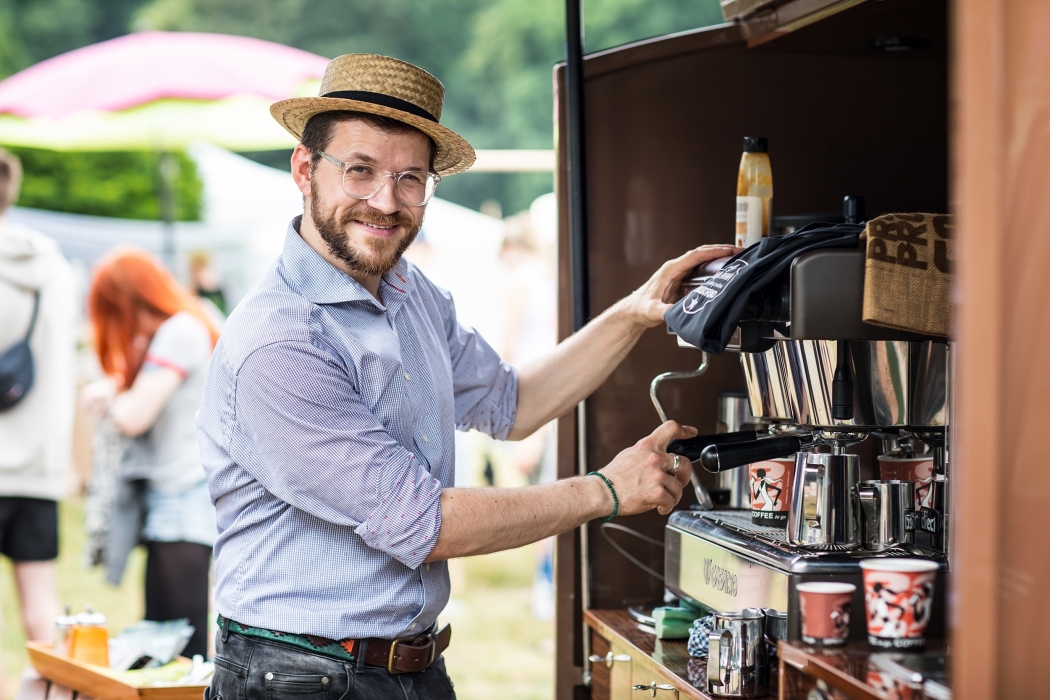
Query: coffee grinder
x,y
819,380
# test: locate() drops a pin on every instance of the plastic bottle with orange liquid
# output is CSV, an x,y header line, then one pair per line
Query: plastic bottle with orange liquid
x,y
754,193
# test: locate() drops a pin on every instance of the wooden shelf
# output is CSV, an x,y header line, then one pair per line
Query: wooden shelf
x,y
639,658
845,669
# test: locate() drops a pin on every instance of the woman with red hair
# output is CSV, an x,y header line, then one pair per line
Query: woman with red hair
x,y
154,341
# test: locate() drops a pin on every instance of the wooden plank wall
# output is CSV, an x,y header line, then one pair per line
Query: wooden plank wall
x,y
1001,193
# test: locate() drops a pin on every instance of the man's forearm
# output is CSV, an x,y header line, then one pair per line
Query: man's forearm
x,y
483,520
550,386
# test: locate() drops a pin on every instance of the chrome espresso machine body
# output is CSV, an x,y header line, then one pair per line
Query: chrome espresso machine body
x,y
821,380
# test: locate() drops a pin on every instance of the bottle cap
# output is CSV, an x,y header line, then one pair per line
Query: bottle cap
x,y
90,618
756,144
67,619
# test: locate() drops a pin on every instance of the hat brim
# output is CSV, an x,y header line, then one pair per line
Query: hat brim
x,y
454,154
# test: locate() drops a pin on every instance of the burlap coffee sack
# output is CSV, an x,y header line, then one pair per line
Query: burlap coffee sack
x,y
908,272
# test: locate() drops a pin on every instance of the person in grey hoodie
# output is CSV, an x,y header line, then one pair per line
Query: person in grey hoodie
x,y
36,432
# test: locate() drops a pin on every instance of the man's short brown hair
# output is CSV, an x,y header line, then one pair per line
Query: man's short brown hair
x,y
10,179
318,131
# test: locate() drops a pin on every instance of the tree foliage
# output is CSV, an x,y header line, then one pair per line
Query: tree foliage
x,y
122,184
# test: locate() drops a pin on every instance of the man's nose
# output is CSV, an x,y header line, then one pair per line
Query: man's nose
x,y
385,200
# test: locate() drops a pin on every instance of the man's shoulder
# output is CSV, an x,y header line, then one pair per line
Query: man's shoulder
x,y
272,312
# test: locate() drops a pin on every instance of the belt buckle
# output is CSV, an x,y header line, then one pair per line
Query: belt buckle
x,y
401,640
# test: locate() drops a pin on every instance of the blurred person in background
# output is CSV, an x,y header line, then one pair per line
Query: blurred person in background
x,y
531,331
154,341
37,399
205,282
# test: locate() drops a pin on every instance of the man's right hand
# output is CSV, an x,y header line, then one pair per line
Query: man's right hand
x,y
483,520
642,474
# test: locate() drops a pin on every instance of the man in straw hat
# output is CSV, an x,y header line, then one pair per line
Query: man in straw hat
x,y
327,422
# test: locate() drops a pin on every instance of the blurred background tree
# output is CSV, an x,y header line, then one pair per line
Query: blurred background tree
x,y
495,57
121,184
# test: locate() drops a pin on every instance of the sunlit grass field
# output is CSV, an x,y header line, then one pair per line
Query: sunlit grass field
x,y
498,649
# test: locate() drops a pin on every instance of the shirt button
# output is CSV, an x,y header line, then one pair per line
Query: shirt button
x,y
269,676
407,378
324,680
425,438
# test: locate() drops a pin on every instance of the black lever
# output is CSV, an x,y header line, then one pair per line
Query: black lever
x,y
720,458
842,385
692,447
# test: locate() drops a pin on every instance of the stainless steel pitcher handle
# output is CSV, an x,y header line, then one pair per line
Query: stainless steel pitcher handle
x,y
869,507
813,495
718,644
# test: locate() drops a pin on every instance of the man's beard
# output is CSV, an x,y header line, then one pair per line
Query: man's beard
x,y
381,255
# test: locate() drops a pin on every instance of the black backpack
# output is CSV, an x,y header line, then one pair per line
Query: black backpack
x,y
16,365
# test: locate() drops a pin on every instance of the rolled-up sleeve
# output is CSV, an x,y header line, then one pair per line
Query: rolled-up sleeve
x,y
486,387
339,463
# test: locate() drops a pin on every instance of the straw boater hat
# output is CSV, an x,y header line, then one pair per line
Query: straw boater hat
x,y
363,82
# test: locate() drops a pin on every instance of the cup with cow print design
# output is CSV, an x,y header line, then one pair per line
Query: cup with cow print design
x,y
770,485
898,600
825,608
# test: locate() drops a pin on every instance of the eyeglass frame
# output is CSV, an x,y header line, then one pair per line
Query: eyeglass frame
x,y
395,176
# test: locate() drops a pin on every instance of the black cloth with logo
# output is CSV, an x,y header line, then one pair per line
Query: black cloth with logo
x,y
708,316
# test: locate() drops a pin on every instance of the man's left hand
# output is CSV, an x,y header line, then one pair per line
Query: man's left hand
x,y
647,305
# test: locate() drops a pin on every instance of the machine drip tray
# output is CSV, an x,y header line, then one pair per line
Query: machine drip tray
x,y
721,559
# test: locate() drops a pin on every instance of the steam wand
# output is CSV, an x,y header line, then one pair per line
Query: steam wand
x,y
703,498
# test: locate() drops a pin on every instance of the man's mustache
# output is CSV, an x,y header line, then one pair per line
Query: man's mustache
x,y
378,219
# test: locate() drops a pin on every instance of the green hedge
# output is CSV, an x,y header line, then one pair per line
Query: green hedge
x,y
119,184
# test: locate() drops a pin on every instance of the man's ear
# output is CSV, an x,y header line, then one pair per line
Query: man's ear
x,y
301,167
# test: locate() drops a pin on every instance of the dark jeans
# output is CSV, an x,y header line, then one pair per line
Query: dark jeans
x,y
248,669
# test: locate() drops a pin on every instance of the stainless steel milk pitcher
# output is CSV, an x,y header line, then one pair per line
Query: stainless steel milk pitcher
x,y
824,512
888,510
737,665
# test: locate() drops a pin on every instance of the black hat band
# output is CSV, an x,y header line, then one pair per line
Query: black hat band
x,y
378,98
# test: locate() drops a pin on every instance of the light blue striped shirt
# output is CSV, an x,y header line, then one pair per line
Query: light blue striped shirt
x,y
326,432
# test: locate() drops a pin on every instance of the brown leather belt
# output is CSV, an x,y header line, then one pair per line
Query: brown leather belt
x,y
402,655
408,654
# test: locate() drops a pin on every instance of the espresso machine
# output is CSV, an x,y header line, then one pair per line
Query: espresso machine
x,y
819,381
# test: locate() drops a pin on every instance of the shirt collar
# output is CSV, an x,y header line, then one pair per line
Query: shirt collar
x,y
322,283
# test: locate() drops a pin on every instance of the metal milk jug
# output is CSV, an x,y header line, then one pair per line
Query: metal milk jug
x,y
824,510
737,665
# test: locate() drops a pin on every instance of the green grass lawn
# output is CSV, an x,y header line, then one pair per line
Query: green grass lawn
x,y
497,649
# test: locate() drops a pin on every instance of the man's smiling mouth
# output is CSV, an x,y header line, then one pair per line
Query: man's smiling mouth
x,y
377,229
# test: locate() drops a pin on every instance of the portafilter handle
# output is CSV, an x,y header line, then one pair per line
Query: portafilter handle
x,y
720,458
691,448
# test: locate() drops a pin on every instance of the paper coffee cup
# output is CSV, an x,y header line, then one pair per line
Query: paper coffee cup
x,y
770,484
918,470
898,600
825,608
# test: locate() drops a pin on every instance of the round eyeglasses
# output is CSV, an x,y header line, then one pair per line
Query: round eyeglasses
x,y
363,181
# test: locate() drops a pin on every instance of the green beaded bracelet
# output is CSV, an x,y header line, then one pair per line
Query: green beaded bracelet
x,y
616,501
